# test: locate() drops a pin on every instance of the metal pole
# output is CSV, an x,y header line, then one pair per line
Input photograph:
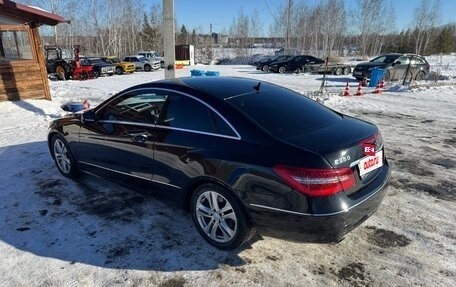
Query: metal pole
x,y
168,38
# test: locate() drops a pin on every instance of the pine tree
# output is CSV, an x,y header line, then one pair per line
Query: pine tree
x,y
444,43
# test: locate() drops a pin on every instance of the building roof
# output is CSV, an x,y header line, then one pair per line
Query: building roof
x,y
29,13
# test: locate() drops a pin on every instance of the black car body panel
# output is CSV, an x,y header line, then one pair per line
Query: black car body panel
x,y
173,149
267,62
295,63
396,66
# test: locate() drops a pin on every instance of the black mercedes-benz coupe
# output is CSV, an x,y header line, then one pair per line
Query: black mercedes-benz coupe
x,y
239,154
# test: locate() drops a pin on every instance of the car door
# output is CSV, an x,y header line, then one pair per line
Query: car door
x,y
121,138
400,67
189,136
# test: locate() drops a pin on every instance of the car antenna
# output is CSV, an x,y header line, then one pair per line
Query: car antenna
x,y
257,87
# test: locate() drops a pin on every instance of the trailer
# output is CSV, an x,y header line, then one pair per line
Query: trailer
x,y
185,55
328,68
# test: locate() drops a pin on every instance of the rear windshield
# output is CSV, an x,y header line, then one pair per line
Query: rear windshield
x,y
284,113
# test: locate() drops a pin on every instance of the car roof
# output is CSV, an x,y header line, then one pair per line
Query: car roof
x,y
400,54
217,87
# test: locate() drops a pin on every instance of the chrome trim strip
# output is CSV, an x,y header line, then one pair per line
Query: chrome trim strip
x,y
113,170
238,136
166,127
128,174
278,209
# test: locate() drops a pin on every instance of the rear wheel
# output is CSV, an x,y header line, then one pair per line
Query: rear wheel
x,y
338,71
282,70
346,71
219,217
60,71
265,68
419,76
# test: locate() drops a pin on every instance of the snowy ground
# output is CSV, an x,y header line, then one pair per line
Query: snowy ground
x,y
56,232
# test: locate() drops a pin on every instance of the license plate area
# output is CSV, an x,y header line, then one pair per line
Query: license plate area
x,y
370,163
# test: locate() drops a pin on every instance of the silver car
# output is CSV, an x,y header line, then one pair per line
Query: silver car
x,y
142,63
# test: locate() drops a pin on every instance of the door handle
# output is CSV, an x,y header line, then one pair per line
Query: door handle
x,y
139,136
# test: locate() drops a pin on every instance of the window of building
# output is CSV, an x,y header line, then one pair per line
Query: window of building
x,y
15,45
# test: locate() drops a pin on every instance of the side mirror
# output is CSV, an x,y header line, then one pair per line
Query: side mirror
x,y
88,117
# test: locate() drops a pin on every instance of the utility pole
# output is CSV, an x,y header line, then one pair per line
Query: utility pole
x,y
169,38
288,25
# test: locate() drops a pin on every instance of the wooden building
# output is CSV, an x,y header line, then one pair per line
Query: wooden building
x,y
22,68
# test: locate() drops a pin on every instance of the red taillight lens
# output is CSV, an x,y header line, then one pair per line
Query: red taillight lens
x,y
317,182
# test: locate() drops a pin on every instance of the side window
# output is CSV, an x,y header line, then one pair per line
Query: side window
x,y
419,61
404,60
186,113
142,106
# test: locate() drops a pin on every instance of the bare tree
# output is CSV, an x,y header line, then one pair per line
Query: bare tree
x,y
426,17
373,20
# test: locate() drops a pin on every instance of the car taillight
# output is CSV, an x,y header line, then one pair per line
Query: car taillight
x,y
317,182
376,139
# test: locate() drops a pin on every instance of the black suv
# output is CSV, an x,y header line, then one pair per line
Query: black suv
x,y
294,64
100,68
396,66
263,65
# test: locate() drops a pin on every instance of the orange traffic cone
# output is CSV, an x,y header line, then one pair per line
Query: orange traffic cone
x,y
359,92
347,91
378,90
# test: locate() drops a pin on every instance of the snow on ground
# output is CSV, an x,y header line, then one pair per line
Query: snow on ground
x,y
57,232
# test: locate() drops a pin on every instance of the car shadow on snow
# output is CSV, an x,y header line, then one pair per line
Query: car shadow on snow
x,y
93,221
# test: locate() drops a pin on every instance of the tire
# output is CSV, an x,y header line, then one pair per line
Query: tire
x,y
147,68
346,71
338,71
265,68
63,157
219,218
84,75
298,71
420,76
386,76
282,70
96,74
60,71
119,71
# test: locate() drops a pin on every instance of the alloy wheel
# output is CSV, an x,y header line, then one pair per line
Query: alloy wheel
x,y
216,216
61,156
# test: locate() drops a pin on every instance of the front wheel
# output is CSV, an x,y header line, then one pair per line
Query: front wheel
x,y
147,68
219,218
282,70
338,71
386,76
63,157
265,68
119,71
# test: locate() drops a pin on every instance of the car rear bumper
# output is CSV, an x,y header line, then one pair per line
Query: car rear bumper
x,y
325,227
